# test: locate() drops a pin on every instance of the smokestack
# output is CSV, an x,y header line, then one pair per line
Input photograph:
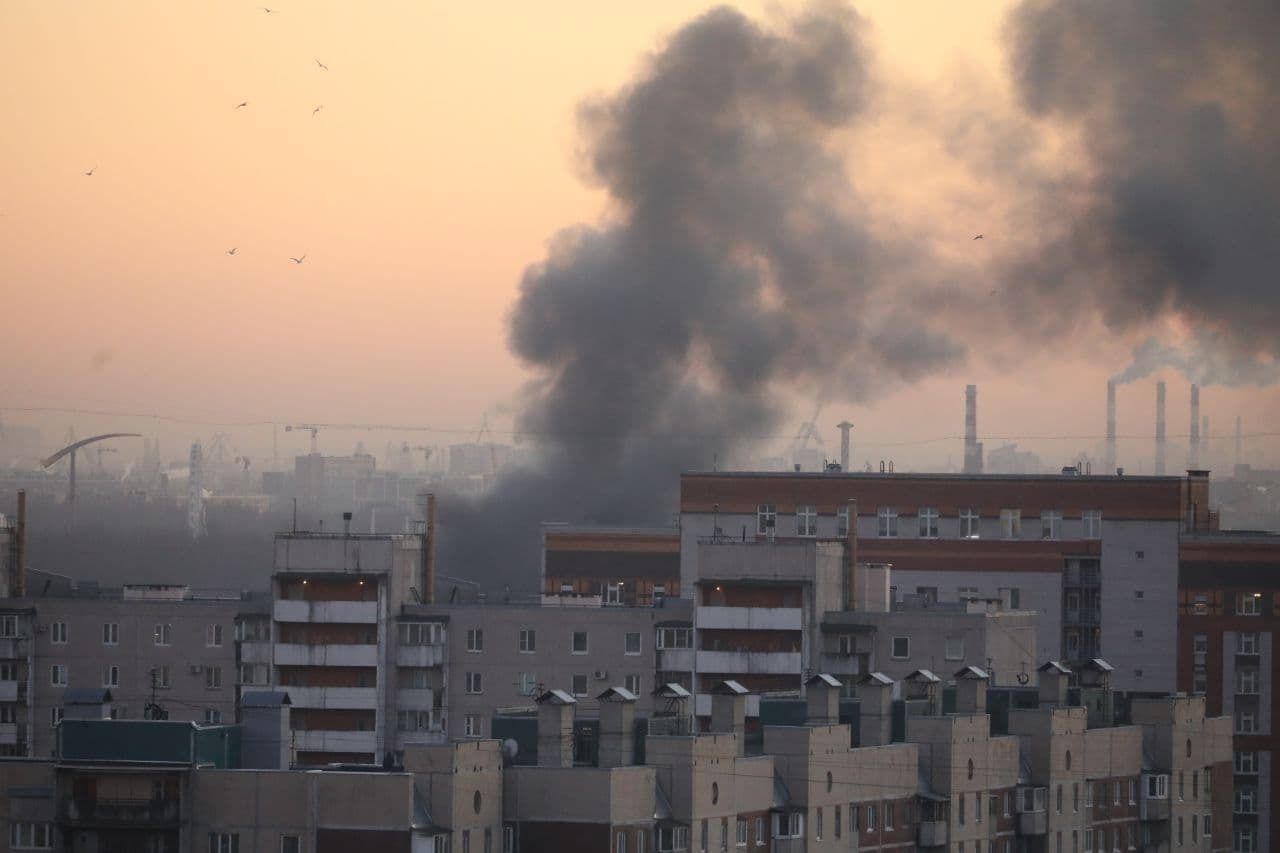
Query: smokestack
x,y
18,578
1239,438
972,449
1206,456
1193,452
1160,428
844,426
346,524
429,553
1109,463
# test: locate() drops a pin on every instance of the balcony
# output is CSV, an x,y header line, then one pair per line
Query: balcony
x,y
344,612
1033,823
297,654
749,663
13,647
255,652
131,814
416,700
751,618
1153,809
675,660
334,741
362,698
11,734
932,833
9,691
420,656
838,664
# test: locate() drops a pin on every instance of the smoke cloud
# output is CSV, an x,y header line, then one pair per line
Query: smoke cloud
x,y
1205,361
739,263
1175,107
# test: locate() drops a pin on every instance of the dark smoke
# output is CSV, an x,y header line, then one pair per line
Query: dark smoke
x,y
739,263
1177,108
1204,361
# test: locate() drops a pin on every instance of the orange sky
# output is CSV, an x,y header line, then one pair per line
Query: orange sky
x,y
441,162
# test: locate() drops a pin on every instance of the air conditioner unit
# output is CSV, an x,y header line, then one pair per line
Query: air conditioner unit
x,y
601,675
196,669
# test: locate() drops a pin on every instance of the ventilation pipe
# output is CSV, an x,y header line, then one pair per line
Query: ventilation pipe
x,y
844,426
972,449
1193,453
1109,463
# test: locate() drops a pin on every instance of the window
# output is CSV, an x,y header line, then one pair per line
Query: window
x,y
842,521
9,625
672,838
224,842
212,677
954,648
58,675
1247,643
110,675
8,713
901,648
888,815
1139,594
966,593
1075,796
1246,763
928,522
8,672
1138,634
836,823
421,633
213,636
887,521
1247,681
110,633
414,721
960,811
1248,603
1092,519
1050,524
1199,682
705,836
475,639
1244,840
55,716
488,840
741,839
817,825
528,641
162,635
1195,784
1246,722
471,725
1157,787
475,683
871,818
25,835
1246,800
631,643
1206,825
290,844
969,524
212,717
806,520
1059,799
1133,791
252,673
621,845
766,518
675,638
788,825
613,593
1115,793
509,840
160,675
845,645
466,841
578,643
579,685
528,683
760,839
58,633
1011,523
633,684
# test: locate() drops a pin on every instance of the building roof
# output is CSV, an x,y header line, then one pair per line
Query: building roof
x,y
972,673
264,699
617,694
1099,665
556,697
824,679
922,675
729,687
1055,666
672,690
876,678
86,696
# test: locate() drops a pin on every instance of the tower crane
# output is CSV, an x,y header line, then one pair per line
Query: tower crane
x,y
312,428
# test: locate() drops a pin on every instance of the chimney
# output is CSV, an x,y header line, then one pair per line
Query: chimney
x,y
266,739
1160,428
617,727
18,569
555,729
1205,455
822,695
971,690
346,524
851,556
1239,438
1193,453
1109,463
429,553
1096,694
844,426
729,711
875,710
972,449
1054,680
924,686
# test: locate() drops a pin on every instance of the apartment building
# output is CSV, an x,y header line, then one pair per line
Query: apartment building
x,y
635,567
503,656
1229,622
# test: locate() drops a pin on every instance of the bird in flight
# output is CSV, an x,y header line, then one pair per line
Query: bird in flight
x,y
979,237
231,251
317,109
268,11
299,260
242,104
91,171
323,67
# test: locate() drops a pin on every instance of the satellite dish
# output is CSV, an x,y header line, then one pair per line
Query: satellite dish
x,y
509,750
1023,678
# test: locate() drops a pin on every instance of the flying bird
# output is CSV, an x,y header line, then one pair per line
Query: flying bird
x,y
317,109
231,251
979,237
91,171
299,260
242,104
323,67
265,9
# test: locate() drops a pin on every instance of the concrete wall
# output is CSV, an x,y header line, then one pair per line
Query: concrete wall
x,y
706,779
1156,613
617,795
450,776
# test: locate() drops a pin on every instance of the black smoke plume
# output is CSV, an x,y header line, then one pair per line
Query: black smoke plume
x,y
738,263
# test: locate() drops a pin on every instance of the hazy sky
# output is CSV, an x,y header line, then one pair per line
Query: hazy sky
x,y
444,158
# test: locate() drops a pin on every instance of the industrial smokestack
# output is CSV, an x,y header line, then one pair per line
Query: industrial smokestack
x,y
1206,455
1109,462
972,449
1239,438
1193,452
844,426
1160,428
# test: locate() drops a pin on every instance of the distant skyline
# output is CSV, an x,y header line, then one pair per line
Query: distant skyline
x,y
445,157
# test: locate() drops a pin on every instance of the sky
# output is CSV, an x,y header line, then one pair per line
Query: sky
x,y
443,158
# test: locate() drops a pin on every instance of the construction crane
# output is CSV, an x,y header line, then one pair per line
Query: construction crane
x,y
70,452
312,428
808,430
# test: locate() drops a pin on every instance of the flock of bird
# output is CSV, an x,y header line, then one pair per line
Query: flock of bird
x,y
241,105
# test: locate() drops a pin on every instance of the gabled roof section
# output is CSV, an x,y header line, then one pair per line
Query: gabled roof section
x,y
672,690
876,678
972,673
1054,666
922,676
556,697
729,687
1099,665
617,694
824,679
